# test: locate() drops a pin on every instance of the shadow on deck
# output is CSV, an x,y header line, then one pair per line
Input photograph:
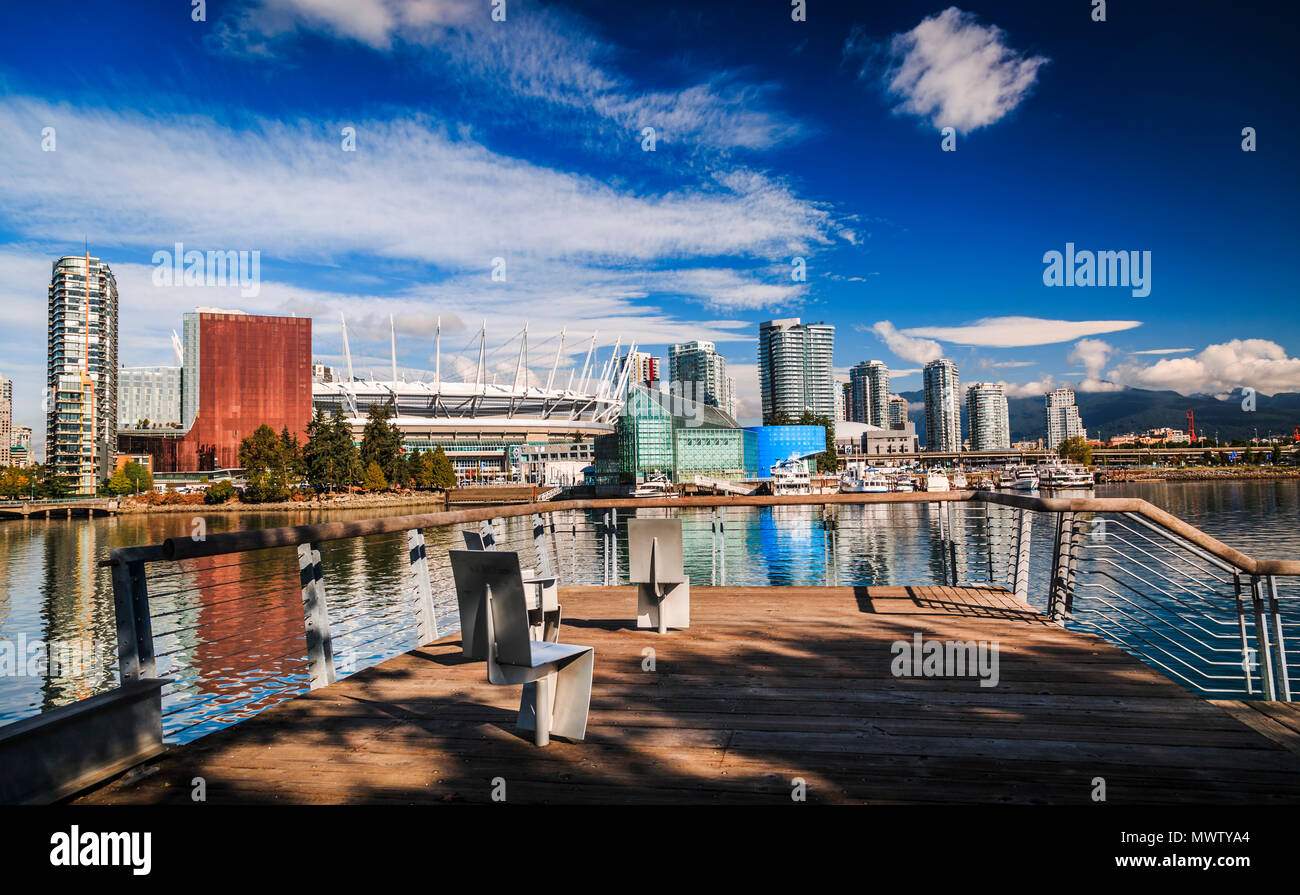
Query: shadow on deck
x,y
769,685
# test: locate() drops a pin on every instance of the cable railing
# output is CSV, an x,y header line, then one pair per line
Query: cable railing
x,y
236,622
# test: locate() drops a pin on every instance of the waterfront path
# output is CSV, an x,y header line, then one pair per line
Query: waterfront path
x,y
770,686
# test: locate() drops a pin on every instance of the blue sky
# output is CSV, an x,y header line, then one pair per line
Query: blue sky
x,y
774,139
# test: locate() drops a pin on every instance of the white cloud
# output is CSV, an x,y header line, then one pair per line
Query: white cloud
x,y
956,72
1260,364
1019,332
918,351
543,62
988,364
1031,389
1165,351
1093,354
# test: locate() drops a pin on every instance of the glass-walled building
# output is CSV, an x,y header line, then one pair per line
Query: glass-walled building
x,y
662,435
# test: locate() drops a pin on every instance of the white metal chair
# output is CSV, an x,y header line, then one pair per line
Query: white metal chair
x,y
556,677
544,610
663,593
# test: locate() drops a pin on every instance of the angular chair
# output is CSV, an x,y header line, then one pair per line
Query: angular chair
x,y
544,608
663,593
556,677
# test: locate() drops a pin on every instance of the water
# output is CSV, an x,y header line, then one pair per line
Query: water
x,y
228,630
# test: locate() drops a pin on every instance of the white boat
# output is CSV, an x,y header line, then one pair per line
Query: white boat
x,y
655,488
904,483
936,481
959,480
1006,477
864,481
791,477
1061,474
1026,479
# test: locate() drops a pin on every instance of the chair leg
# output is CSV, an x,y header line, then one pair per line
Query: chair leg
x,y
545,696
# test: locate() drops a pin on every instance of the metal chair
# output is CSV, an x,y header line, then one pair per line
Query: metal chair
x,y
663,593
544,610
556,677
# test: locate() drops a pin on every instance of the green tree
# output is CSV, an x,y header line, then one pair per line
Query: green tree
x,y
219,493
262,455
316,453
1076,449
381,444
344,455
14,482
1250,456
828,460
293,468
374,480
442,474
1277,455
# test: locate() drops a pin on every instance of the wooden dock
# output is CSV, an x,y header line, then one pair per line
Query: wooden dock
x,y
768,686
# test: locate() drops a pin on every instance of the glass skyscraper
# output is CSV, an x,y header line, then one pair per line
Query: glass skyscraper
x,y
81,372
795,371
699,373
942,406
869,391
1062,418
986,415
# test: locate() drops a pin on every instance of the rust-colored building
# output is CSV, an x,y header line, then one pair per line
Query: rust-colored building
x,y
252,370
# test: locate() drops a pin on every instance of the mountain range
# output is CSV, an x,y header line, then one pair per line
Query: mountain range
x,y
1106,414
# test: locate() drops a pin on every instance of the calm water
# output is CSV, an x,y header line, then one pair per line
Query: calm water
x,y
228,630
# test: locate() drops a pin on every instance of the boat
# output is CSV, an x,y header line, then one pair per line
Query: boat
x,y
936,481
1026,479
791,477
1006,477
959,480
1061,474
864,481
904,483
656,487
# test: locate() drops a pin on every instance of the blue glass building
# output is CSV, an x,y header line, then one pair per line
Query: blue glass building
x,y
776,443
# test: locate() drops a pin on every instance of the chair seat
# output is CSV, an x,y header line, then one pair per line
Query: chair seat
x,y
544,653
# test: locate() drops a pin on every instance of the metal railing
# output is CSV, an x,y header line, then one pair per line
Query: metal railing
x,y
236,622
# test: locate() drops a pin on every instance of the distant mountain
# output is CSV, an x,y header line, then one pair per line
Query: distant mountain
x,y
1106,414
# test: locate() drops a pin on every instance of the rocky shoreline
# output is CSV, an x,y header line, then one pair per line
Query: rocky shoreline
x,y
433,501
1201,474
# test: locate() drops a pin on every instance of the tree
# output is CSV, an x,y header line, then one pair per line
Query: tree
x,y
14,482
374,480
441,472
828,460
780,418
1076,449
262,455
132,478
381,444
316,458
291,462
219,493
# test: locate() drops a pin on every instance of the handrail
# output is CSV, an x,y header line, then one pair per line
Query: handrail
x,y
293,536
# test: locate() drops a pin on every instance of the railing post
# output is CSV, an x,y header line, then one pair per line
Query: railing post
x,y
604,549
541,544
1279,642
1060,597
613,547
427,627
952,544
1241,628
1261,639
315,616
135,652
713,545
722,546
1020,573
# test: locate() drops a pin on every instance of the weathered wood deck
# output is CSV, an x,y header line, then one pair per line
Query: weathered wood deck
x,y
768,685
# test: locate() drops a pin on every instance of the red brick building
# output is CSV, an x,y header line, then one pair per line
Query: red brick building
x,y
252,370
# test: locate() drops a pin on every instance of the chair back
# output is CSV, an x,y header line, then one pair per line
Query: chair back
x,y
475,540
476,571
665,536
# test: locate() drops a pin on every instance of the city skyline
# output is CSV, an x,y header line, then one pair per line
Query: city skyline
x,y
697,239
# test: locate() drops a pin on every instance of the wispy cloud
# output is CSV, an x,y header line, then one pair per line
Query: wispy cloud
x,y
1019,332
950,69
1165,351
542,62
918,351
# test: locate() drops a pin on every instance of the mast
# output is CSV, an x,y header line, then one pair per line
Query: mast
x,y
582,387
550,380
437,356
392,330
